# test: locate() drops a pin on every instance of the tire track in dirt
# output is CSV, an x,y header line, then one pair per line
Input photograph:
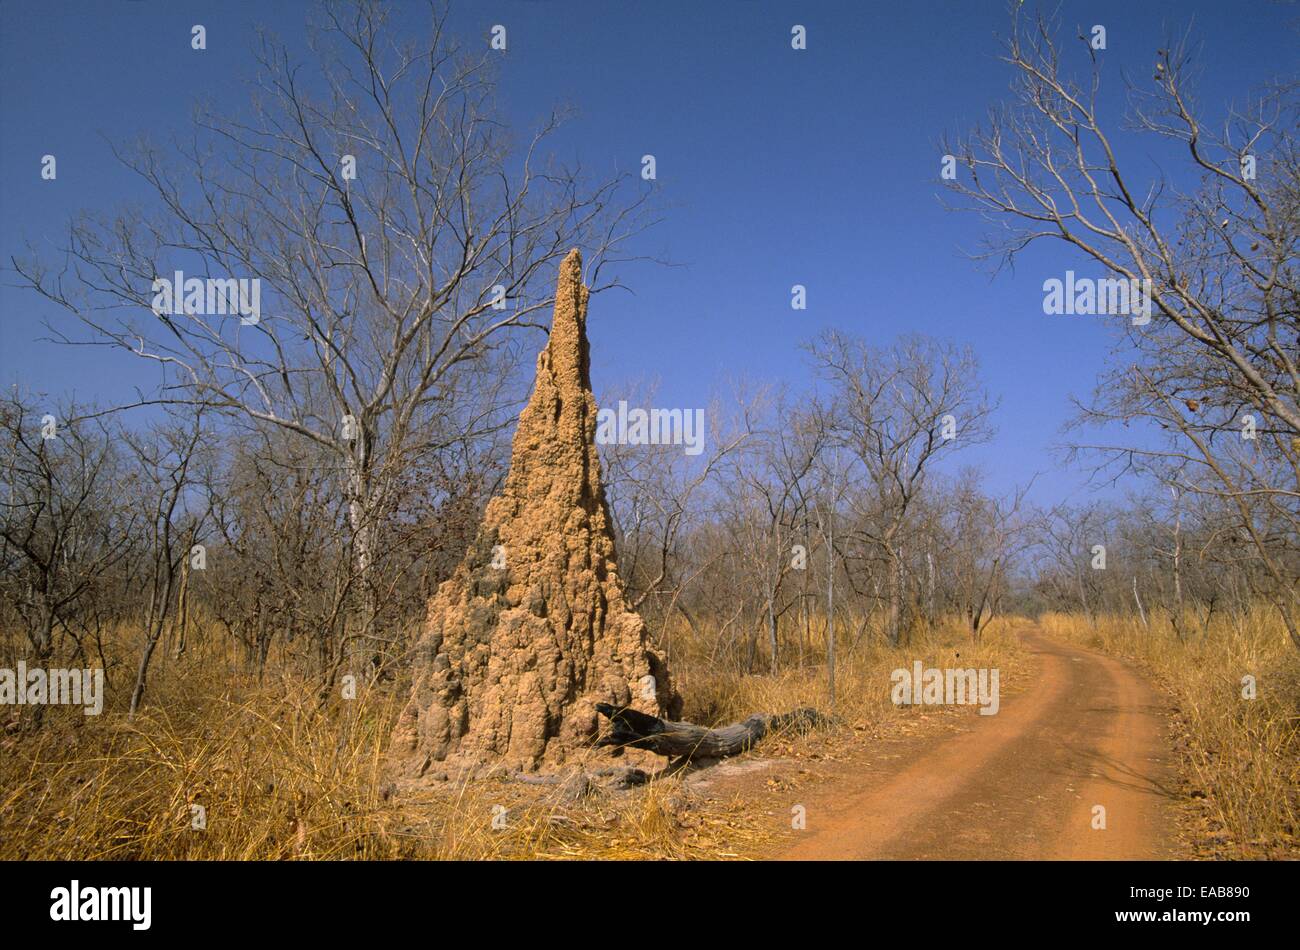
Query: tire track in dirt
x,y
1021,784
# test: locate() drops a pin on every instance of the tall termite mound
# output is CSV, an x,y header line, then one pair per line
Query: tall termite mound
x,y
532,630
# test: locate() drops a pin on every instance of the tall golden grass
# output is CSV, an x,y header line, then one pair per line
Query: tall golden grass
x,y
276,774
1240,758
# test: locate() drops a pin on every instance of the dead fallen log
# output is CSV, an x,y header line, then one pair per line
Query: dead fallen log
x,y
685,741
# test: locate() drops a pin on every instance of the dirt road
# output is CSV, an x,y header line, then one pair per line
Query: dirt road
x,y
1019,784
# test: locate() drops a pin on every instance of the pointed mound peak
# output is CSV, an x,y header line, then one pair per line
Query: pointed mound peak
x,y
567,347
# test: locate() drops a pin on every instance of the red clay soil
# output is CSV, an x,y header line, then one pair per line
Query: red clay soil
x,y
1021,784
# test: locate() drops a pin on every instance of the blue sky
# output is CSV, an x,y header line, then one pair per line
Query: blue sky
x,y
779,167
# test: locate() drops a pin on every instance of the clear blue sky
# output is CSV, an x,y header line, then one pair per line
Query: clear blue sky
x,y
780,167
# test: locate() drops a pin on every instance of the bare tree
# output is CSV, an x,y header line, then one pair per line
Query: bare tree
x,y
395,233
769,505
1076,540
985,535
897,410
63,524
831,479
1218,359
171,522
658,496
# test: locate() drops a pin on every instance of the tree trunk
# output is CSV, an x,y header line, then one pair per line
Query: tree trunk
x,y
361,521
930,617
159,609
771,629
1141,613
830,613
896,589
1178,566
183,609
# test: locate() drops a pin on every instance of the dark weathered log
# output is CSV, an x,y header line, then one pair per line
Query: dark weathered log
x,y
684,741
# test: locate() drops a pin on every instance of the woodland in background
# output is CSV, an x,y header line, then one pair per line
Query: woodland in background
x,y
180,530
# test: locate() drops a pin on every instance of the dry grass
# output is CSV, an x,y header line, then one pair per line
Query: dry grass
x,y
280,776
862,675
277,778
1239,758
